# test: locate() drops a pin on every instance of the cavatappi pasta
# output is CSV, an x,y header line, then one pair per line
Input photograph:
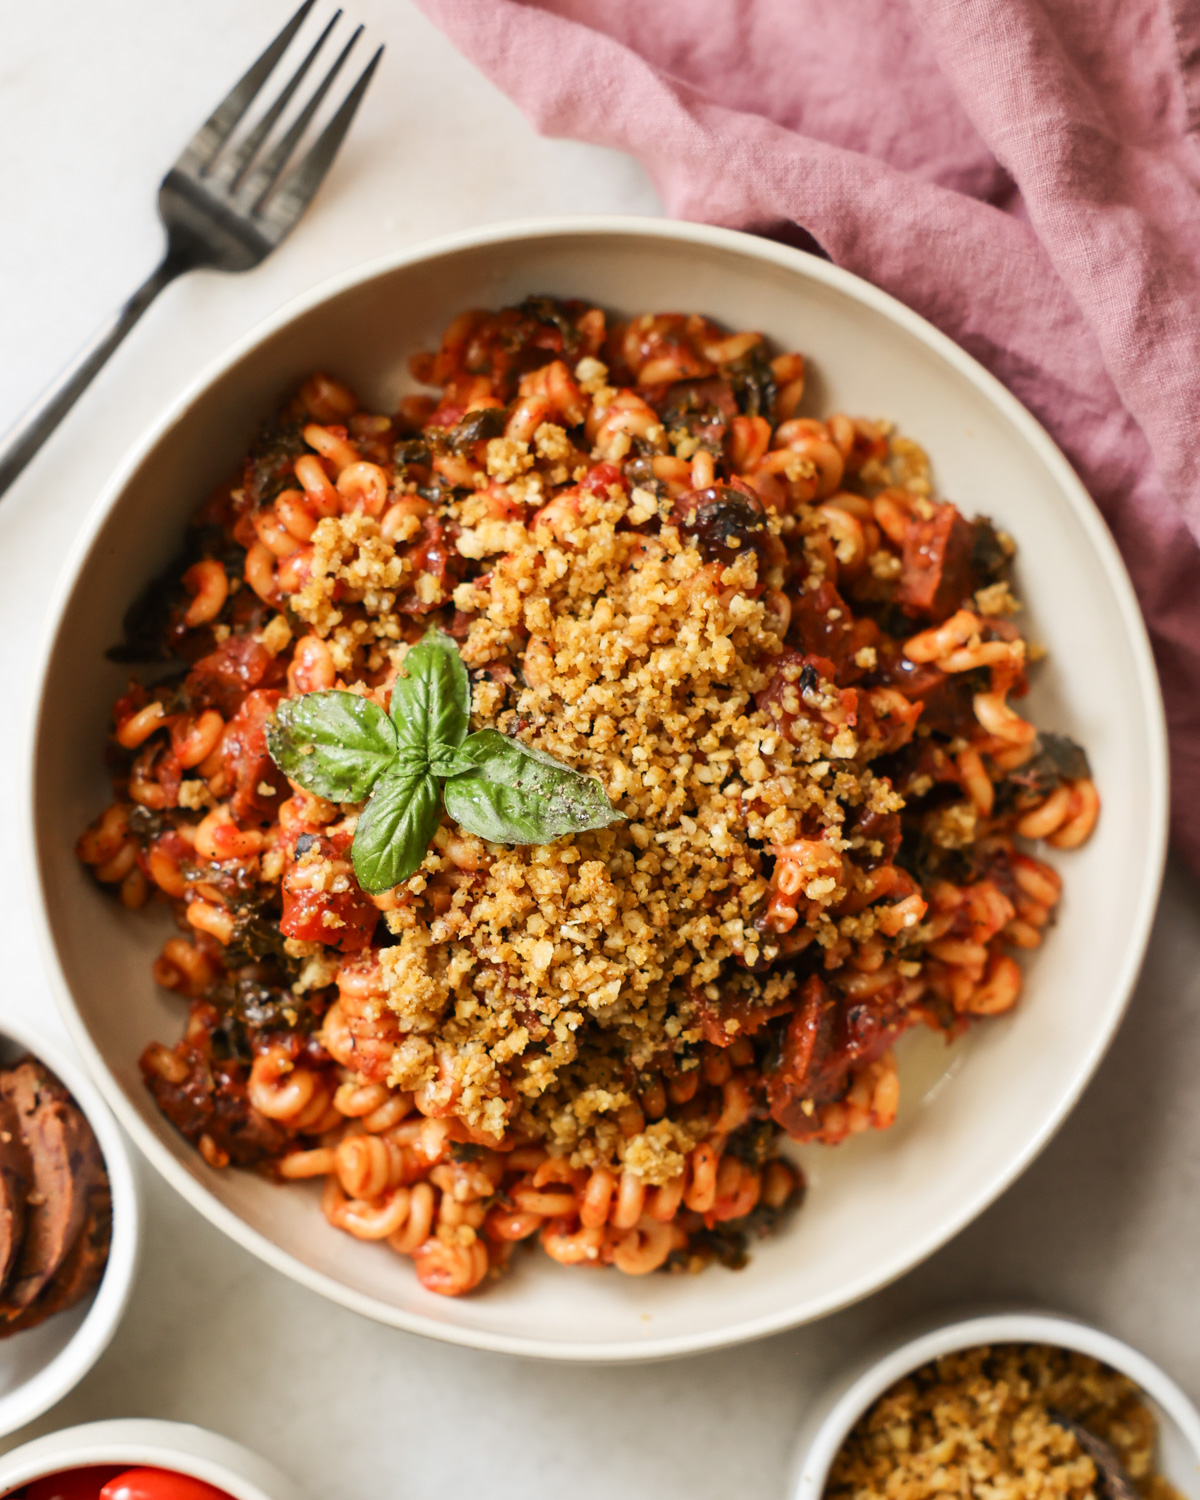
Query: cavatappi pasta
x,y
793,670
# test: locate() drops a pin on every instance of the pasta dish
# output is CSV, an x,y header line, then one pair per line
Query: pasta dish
x,y
605,579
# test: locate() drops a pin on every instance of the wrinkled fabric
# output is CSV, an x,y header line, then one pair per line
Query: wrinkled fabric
x,y
1024,173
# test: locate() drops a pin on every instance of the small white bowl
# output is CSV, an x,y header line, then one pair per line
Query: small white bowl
x,y
138,1442
826,1426
973,1116
38,1367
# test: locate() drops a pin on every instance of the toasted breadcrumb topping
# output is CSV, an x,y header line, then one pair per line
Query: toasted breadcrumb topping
x,y
560,972
983,1422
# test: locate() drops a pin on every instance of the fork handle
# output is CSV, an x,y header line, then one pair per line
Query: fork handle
x,y
32,430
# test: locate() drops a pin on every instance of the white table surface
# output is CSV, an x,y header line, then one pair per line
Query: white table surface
x,y
94,102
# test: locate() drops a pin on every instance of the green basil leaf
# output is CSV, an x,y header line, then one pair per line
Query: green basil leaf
x,y
335,744
507,793
395,827
431,706
447,762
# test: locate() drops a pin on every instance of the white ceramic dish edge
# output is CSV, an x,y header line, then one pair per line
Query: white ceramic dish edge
x,y
965,365
825,1427
67,1368
143,1442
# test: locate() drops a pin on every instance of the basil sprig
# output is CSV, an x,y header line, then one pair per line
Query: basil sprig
x,y
346,748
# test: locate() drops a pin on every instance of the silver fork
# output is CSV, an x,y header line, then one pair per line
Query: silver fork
x,y
222,208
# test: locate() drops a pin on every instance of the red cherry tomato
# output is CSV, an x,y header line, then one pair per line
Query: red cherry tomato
x,y
158,1484
74,1484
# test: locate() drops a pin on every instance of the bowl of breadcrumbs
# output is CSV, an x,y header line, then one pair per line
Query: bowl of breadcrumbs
x,y
1011,1406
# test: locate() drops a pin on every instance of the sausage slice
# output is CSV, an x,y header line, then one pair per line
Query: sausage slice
x,y
15,1183
80,1273
65,1161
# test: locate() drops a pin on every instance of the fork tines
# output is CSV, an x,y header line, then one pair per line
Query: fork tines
x,y
259,186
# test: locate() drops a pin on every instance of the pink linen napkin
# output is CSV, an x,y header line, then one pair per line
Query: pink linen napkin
x,y
1024,173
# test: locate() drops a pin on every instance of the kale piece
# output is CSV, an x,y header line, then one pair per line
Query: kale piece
x,y
753,382
990,558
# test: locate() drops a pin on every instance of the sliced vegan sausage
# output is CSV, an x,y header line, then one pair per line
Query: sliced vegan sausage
x,y
64,1158
936,575
80,1273
15,1175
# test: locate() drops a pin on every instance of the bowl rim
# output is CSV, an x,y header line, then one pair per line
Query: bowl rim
x,y
753,248
149,1442
826,1428
63,1373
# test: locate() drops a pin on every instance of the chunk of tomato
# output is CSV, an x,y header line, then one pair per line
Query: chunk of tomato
x,y
322,901
258,785
159,1484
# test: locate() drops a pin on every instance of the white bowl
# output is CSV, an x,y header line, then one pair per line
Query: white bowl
x,y
960,1139
139,1442
38,1367
825,1427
